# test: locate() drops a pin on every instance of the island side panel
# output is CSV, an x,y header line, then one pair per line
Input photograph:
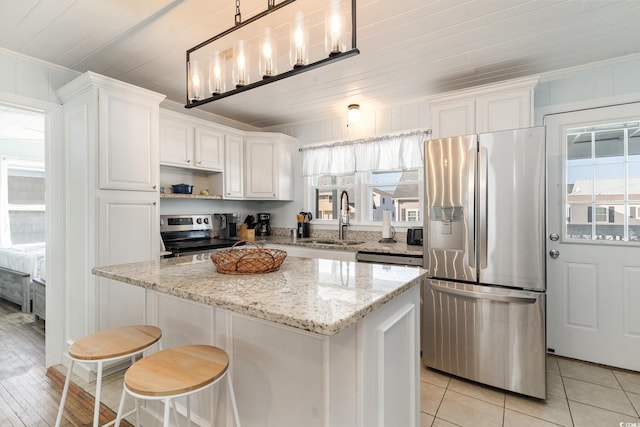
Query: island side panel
x,y
390,361
278,373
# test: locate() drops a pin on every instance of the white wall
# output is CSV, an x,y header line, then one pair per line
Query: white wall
x,y
32,78
599,84
32,83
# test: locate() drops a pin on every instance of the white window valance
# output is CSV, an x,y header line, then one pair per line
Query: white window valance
x,y
383,153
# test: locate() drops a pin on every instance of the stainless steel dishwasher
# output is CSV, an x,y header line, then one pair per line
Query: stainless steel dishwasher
x,y
382,258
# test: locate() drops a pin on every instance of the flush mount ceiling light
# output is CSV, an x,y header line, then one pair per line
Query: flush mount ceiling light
x,y
251,53
353,113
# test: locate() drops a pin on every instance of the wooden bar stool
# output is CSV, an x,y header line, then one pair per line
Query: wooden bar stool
x,y
177,372
108,346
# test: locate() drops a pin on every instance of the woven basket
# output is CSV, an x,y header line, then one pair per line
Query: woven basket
x,y
248,260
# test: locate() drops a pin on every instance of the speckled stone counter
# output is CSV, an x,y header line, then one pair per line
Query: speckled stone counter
x,y
317,295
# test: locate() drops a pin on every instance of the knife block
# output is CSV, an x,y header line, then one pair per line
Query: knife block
x,y
303,230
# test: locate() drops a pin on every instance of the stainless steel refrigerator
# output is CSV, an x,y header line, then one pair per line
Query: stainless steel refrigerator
x,y
484,305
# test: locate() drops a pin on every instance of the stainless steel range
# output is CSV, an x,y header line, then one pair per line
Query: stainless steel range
x,y
183,234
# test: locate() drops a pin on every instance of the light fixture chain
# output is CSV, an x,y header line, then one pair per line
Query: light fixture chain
x,y
238,15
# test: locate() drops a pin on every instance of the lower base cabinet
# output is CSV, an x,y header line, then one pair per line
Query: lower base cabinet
x,y
366,375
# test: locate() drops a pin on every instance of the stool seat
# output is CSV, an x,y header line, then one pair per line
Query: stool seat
x,y
109,345
115,342
177,370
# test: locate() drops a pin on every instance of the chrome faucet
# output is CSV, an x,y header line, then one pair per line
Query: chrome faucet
x,y
343,220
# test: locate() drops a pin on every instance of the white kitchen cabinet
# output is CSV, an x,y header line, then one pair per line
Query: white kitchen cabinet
x,y
190,143
111,139
233,167
254,165
209,148
489,108
176,141
128,140
511,109
128,232
450,118
268,166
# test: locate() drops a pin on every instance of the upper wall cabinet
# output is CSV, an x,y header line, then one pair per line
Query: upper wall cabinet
x,y
234,167
125,120
128,141
268,166
190,143
489,108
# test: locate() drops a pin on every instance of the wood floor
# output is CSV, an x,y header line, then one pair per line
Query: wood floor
x,y
29,396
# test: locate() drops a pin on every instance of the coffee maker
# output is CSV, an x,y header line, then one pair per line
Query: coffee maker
x,y
225,225
263,227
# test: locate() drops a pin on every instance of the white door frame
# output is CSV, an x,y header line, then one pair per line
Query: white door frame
x,y
55,215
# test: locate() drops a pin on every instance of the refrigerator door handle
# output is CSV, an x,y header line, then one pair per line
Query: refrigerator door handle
x,y
483,295
471,190
483,172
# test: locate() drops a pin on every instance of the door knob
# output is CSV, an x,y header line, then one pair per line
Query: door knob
x,y
554,253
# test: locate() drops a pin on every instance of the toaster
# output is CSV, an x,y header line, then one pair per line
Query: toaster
x,y
414,236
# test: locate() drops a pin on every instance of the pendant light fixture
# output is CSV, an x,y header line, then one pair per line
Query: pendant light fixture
x,y
227,60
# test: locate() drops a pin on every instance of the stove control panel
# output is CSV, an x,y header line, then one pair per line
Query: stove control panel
x,y
185,222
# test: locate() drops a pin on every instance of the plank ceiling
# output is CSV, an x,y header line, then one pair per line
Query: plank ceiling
x,y
410,48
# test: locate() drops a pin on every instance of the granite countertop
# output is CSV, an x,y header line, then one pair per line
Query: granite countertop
x,y
318,295
365,245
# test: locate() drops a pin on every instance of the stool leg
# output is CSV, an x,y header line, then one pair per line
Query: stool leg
x,y
137,404
189,411
167,407
175,412
121,409
64,393
96,406
232,395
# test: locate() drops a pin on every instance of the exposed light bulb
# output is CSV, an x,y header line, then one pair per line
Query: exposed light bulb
x,y
241,76
299,41
267,63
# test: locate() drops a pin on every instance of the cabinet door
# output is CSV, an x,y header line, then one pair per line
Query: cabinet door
x,y
209,149
128,142
176,142
503,111
453,118
233,167
261,169
128,233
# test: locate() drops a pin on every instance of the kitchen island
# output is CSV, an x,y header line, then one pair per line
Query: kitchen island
x,y
317,343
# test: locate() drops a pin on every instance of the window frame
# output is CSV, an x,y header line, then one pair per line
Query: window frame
x,y
614,208
362,188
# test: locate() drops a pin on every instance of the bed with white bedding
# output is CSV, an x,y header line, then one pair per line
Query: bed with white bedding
x,y
19,266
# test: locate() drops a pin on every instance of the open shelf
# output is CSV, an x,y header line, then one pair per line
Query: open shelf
x,y
188,196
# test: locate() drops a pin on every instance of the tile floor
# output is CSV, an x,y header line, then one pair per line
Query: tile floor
x,y
578,394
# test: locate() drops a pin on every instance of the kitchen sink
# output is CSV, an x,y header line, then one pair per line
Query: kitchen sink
x,y
336,242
